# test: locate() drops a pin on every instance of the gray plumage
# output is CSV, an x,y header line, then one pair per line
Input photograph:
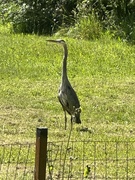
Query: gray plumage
x,y
67,96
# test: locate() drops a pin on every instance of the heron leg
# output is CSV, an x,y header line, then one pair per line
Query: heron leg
x,y
71,122
65,120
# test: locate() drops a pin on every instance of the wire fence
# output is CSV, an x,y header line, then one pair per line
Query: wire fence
x,y
71,160
17,161
91,160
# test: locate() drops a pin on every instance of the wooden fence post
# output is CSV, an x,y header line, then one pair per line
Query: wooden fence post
x,y
41,153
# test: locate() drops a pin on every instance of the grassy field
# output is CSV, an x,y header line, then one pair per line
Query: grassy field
x,y
102,72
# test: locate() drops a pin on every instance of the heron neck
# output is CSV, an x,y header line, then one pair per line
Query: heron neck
x,y
64,68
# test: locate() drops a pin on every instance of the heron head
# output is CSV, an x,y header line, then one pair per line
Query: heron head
x,y
76,115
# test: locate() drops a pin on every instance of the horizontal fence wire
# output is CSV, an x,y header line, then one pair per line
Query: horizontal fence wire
x,y
93,160
17,161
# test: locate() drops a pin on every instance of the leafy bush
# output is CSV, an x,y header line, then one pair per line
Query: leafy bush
x,y
87,27
117,16
39,17
48,16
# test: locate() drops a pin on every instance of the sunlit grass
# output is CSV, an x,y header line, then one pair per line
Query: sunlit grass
x,y
102,73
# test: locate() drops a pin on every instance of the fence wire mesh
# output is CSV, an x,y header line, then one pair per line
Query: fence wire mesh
x,y
91,160
17,161
71,160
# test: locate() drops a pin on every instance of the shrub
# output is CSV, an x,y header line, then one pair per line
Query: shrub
x,y
48,16
117,16
87,27
39,17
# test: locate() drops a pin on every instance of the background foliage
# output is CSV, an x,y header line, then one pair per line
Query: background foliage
x,y
49,16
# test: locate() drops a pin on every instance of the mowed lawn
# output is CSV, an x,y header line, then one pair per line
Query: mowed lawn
x,y
102,72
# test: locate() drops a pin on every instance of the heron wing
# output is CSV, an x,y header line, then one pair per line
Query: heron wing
x,y
68,98
62,96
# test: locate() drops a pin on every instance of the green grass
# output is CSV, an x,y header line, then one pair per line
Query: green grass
x,y
102,72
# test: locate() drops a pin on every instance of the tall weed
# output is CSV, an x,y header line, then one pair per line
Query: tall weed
x,y
86,27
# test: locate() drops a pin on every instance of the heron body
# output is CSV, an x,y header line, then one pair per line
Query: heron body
x,y
67,95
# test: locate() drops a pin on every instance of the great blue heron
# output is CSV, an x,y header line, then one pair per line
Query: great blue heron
x,y
67,96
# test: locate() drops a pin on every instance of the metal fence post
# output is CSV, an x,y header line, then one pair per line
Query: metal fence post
x,y
41,153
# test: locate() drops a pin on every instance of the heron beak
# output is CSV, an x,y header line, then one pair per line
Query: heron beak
x,y
50,40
